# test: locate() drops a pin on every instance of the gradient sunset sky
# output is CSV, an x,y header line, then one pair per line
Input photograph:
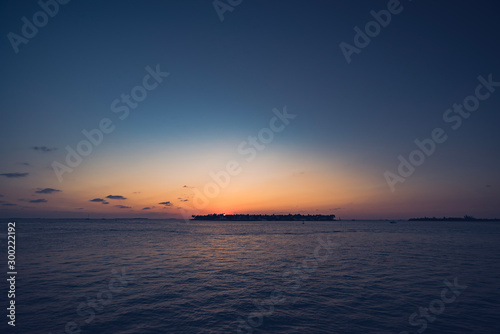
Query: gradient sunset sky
x,y
228,80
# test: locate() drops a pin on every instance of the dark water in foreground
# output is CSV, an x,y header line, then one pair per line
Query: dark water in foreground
x,y
265,277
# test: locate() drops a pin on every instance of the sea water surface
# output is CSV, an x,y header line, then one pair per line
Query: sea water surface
x,y
164,276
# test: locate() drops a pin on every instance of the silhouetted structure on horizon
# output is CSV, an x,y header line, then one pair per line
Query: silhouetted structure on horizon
x,y
454,219
248,217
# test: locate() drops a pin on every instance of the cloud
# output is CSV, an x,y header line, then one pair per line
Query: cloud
x,y
25,164
1,195
14,175
123,206
146,208
99,200
47,191
136,192
39,200
166,203
115,197
44,149
9,204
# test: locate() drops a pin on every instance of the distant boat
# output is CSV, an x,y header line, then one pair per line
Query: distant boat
x,y
393,222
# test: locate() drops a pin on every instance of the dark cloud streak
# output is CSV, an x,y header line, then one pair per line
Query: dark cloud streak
x,y
44,149
14,175
47,191
39,200
116,197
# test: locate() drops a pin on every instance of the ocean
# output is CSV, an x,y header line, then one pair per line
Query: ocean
x,y
165,276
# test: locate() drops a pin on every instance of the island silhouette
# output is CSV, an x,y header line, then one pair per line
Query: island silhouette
x,y
465,218
273,217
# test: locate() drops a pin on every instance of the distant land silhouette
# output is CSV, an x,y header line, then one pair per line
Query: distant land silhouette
x,y
454,219
248,217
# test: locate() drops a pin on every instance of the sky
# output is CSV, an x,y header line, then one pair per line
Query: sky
x,y
164,109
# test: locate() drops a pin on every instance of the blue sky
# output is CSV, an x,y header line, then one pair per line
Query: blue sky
x,y
353,120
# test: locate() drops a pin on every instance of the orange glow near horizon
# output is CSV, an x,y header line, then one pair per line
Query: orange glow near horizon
x,y
272,183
